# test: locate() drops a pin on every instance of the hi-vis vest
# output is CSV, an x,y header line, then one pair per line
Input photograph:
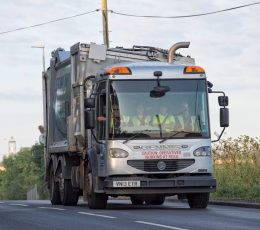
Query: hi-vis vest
x,y
167,121
124,120
188,124
137,121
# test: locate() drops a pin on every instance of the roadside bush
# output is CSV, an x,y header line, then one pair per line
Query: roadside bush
x,y
237,168
37,151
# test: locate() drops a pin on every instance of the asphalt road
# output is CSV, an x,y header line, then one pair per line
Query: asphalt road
x,y
120,214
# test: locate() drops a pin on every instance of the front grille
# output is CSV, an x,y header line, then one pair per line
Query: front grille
x,y
151,165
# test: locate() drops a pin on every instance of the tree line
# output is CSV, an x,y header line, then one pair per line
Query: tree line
x,y
22,171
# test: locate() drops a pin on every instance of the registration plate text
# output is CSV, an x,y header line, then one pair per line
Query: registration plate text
x,y
126,184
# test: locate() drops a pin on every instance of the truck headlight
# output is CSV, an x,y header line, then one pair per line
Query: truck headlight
x,y
202,151
118,153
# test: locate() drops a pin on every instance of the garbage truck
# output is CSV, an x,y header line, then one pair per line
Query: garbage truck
x,y
128,122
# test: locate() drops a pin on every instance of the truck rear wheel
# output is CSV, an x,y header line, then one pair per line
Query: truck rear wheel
x,y
95,200
67,195
198,200
155,199
136,200
54,189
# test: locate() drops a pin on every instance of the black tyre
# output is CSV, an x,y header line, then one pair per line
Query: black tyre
x,y
198,200
54,189
155,199
182,196
95,200
68,196
137,200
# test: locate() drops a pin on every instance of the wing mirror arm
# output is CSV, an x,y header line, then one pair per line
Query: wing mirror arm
x,y
219,135
224,112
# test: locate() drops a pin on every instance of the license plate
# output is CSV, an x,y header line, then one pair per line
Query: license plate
x,y
126,184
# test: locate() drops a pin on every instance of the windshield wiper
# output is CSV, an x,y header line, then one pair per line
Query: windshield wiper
x,y
137,134
178,132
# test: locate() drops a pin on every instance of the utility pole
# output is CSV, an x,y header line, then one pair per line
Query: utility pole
x,y
105,23
43,55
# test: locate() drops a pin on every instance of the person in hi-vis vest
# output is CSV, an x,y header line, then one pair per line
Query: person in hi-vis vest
x,y
164,120
125,121
140,119
186,122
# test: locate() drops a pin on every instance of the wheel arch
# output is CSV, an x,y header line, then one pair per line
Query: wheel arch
x,y
65,163
92,160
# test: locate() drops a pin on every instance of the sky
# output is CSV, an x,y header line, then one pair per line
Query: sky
x,y
226,45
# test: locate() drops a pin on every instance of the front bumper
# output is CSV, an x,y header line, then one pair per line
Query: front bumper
x,y
177,185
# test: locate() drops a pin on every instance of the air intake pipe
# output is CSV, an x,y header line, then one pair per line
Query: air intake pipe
x,y
175,47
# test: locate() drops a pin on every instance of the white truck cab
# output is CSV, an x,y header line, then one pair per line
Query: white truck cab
x,y
128,122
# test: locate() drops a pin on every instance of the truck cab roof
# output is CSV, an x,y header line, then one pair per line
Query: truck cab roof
x,y
146,69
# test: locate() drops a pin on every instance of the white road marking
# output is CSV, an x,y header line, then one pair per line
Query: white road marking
x,y
160,225
2,202
99,215
60,209
24,205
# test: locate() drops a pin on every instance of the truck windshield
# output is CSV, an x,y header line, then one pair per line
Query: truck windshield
x,y
135,114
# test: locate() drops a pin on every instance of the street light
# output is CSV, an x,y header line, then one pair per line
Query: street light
x,y
43,54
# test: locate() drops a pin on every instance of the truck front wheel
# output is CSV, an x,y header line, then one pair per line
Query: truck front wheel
x,y
198,200
95,200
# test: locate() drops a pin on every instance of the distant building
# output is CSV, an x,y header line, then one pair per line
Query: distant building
x,y
11,146
2,168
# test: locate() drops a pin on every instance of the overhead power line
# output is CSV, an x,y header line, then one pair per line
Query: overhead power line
x,y
185,16
48,22
130,15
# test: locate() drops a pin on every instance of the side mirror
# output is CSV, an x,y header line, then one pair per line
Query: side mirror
x,y
89,119
223,100
89,103
224,117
